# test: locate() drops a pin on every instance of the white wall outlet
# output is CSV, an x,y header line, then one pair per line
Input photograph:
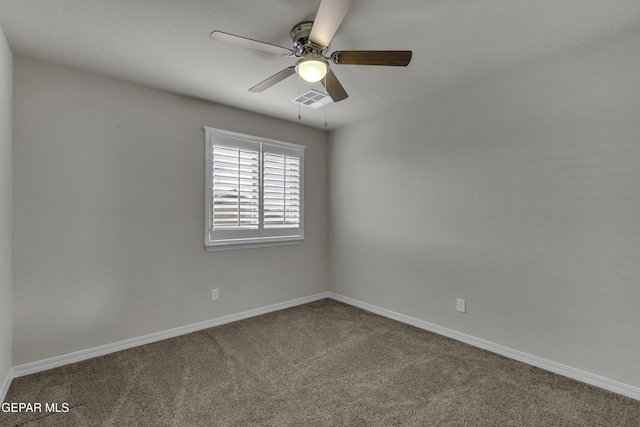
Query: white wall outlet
x,y
461,305
214,294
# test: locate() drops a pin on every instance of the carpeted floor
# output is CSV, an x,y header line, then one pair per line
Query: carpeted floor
x,y
319,364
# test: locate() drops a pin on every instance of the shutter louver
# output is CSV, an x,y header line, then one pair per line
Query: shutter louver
x,y
281,191
235,191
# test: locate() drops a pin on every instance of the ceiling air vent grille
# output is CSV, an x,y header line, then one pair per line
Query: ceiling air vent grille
x,y
313,99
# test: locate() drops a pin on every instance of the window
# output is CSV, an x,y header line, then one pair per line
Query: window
x,y
253,191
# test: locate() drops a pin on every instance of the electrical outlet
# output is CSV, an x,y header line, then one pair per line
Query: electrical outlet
x,y
461,305
214,294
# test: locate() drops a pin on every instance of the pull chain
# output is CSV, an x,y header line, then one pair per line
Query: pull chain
x,y
325,105
299,116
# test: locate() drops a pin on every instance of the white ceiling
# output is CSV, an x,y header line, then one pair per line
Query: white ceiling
x,y
165,44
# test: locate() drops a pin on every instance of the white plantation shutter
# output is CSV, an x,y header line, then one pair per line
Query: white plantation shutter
x,y
236,188
281,195
254,191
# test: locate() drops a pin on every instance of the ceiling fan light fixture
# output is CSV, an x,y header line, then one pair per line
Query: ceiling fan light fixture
x,y
312,68
310,43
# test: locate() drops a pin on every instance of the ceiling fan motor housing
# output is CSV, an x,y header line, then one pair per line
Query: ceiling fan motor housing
x,y
301,43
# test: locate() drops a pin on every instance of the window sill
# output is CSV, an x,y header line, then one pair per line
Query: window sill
x,y
251,244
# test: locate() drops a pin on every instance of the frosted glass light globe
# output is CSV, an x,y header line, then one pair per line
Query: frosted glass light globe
x,y
312,69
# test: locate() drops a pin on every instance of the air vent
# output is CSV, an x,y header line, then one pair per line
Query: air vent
x,y
313,99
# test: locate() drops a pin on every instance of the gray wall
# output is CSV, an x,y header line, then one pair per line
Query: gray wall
x,y
519,193
6,72
108,214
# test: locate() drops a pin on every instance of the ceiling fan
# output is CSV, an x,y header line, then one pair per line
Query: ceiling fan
x,y
310,42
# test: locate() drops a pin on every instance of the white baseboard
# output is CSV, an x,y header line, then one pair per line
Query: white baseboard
x,y
4,388
567,371
585,377
78,356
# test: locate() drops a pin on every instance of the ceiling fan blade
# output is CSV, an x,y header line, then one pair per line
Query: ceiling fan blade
x,y
250,43
276,78
334,88
394,58
328,19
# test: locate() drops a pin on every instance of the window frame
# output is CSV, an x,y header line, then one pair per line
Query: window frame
x,y
217,240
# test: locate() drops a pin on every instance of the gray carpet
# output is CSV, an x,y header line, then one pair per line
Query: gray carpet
x,y
319,364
